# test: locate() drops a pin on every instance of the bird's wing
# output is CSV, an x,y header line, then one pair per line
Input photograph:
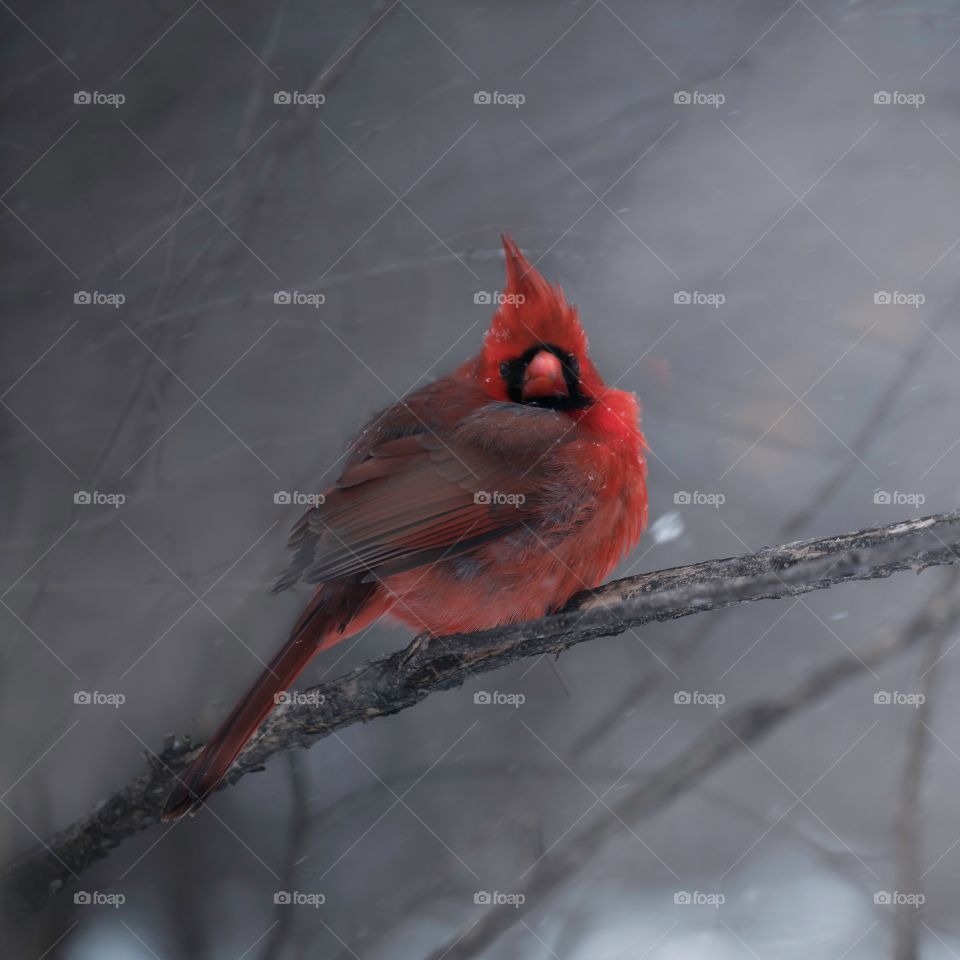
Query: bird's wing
x,y
420,498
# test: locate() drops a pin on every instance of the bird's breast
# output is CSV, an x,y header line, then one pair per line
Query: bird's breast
x,y
522,576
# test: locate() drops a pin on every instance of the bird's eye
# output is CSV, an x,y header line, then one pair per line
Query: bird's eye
x,y
504,368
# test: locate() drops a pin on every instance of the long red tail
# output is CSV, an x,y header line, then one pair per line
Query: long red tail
x,y
336,611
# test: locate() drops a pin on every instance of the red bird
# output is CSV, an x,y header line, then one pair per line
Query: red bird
x,y
489,496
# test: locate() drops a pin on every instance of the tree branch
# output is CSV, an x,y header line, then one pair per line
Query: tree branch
x,y
386,685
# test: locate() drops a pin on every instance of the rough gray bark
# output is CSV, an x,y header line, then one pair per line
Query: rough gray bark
x,y
389,684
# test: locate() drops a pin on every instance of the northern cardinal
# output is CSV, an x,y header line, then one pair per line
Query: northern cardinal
x,y
489,496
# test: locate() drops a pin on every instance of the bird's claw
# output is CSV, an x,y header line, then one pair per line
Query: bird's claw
x,y
416,646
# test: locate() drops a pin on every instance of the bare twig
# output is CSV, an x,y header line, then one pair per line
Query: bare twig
x,y
389,684
908,867
281,932
846,864
878,418
875,424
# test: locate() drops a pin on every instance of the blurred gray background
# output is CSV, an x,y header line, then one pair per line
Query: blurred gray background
x,y
799,399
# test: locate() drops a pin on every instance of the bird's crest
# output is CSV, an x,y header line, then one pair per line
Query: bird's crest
x,y
531,311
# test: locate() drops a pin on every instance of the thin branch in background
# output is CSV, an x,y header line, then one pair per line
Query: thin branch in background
x,y
296,123
876,423
281,934
878,418
389,684
844,863
908,869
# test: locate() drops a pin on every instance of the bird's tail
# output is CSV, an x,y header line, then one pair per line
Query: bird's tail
x,y
336,611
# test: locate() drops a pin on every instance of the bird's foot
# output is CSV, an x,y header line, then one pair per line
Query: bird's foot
x,y
417,646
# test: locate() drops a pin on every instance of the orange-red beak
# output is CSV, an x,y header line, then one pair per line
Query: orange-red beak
x,y
543,377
